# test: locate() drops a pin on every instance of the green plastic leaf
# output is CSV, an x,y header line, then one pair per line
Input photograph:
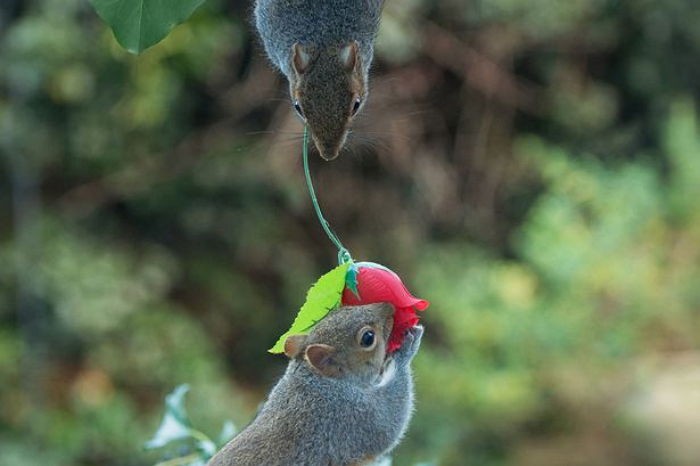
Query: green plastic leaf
x,y
320,299
351,279
139,24
175,424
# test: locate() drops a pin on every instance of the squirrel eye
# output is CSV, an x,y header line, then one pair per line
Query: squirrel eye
x,y
356,106
367,339
297,107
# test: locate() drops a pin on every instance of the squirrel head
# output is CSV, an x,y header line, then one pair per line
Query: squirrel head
x,y
328,88
350,342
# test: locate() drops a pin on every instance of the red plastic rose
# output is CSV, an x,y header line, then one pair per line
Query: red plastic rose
x,y
369,283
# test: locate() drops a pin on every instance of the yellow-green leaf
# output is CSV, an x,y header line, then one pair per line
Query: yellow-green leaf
x,y
321,298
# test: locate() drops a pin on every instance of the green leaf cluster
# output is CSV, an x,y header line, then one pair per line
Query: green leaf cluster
x,y
177,427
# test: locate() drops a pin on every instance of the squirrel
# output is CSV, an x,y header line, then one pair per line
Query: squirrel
x,y
342,401
325,49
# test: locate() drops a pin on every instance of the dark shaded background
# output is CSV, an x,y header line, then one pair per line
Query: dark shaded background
x,y
531,167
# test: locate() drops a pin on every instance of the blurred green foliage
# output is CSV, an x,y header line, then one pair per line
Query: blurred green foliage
x,y
607,271
530,167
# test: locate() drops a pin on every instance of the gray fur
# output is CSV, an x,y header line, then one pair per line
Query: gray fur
x,y
317,23
327,91
310,419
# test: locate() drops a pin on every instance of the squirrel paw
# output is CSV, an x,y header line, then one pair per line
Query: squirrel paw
x,y
411,343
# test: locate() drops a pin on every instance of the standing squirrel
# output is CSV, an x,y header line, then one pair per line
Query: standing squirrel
x,y
325,48
342,401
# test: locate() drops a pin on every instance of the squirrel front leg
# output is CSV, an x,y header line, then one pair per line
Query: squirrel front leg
x,y
409,348
396,395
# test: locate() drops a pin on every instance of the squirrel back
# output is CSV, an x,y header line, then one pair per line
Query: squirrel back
x,y
342,400
325,49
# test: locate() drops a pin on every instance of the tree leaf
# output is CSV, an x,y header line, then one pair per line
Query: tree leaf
x,y
206,447
139,24
323,296
227,433
175,424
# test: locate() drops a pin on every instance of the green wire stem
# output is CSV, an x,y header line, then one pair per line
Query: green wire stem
x,y
343,254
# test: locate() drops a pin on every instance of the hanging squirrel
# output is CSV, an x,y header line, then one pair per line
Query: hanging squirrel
x,y
325,49
342,401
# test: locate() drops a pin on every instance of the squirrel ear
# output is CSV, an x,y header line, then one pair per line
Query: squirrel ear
x,y
301,58
293,345
348,55
321,358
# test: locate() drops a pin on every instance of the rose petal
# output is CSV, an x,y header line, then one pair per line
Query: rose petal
x,y
375,285
378,284
404,319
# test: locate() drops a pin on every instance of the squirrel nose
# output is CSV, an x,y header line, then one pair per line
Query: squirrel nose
x,y
328,151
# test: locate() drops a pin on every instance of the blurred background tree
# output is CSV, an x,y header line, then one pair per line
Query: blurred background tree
x,y
531,167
